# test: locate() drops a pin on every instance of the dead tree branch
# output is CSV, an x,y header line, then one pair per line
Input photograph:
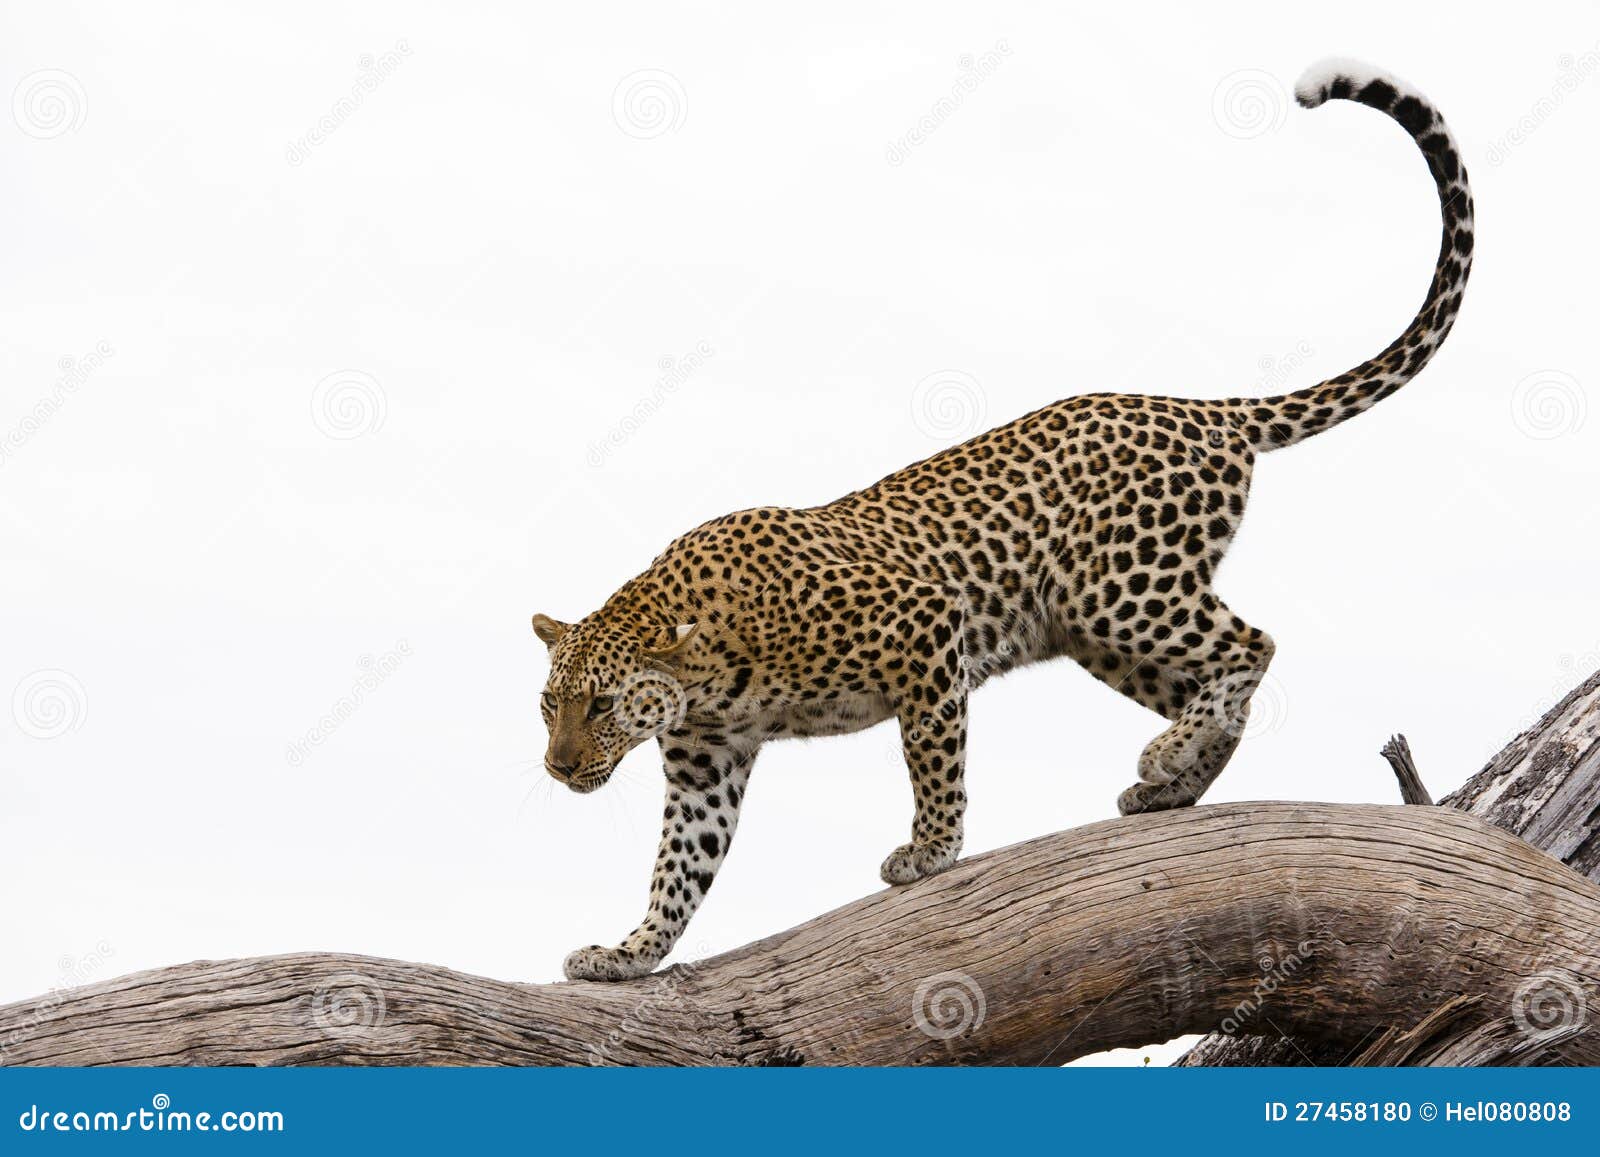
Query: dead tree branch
x,y
1333,923
1412,790
1544,787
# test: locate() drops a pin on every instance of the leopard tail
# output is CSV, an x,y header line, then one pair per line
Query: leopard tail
x,y
1284,419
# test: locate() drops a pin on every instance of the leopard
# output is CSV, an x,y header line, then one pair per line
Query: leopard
x,y
1090,529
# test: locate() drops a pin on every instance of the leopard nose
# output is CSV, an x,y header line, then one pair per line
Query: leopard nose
x,y
562,770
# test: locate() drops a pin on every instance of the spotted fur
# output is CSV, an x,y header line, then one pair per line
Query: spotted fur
x,y
1091,528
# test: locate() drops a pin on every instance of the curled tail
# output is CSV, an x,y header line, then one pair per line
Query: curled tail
x,y
1284,419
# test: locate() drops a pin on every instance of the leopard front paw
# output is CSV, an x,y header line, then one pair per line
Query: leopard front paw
x,y
913,861
597,963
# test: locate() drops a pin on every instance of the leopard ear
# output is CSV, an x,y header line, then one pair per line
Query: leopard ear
x,y
549,630
672,649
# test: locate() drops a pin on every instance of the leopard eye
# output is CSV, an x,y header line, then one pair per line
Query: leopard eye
x,y
601,705
547,701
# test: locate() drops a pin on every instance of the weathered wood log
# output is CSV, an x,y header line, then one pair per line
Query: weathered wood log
x,y
1331,922
1544,786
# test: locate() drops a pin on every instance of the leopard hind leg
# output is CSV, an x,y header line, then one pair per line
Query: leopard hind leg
x,y
1220,664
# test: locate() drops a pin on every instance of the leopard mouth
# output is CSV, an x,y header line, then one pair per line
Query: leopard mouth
x,y
584,784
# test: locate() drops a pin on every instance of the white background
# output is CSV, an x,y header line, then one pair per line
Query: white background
x,y
498,252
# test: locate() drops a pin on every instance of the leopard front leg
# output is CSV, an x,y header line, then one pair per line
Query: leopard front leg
x,y
706,779
930,696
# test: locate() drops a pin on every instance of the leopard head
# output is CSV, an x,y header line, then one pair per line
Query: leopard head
x,y
612,685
